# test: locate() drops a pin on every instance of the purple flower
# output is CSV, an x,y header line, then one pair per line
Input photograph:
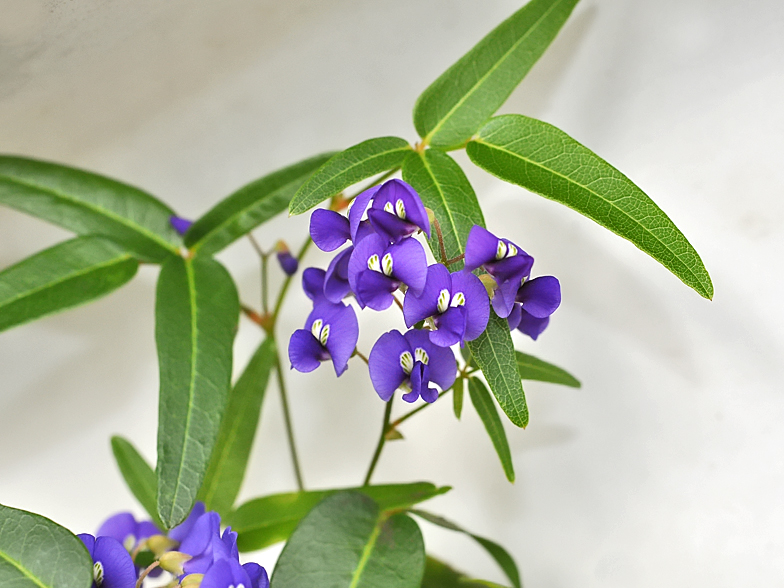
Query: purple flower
x,y
410,362
287,261
206,545
313,283
257,574
228,573
503,260
395,212
457,303
336,285
181,531
127,530
331,331
112,564
179,224
536,300
329,229
376,269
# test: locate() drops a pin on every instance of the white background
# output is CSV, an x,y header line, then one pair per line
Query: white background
x,y
665,469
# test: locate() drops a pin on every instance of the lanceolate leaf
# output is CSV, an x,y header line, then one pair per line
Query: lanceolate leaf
x,y
267,520
531,368
453,107
444,189
348,167
238,427
346,541
498,553
87,203
440,575
38,553
196,317
545,160
63,276
483,403
250,206
138,475
494,353
458,392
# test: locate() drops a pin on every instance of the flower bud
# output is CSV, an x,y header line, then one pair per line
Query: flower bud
x,y
179,224
192,581
287,261
172,561
159,544
489,283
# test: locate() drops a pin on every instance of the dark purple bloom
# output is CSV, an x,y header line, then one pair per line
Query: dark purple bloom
x,y
410,362
336,285
536,300
376,269
112,564
206,545
257,574
287,261
329,229
503,260
331,331
181,531
457,302
179,224
127,530
395,212
228,573
313,283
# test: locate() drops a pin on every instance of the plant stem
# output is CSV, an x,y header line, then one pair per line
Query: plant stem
x,y
264,281
287,420
146,571
287,281
440,236
408,415
361,355
381,440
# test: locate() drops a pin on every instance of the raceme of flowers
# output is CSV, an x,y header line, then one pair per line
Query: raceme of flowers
x,y
440,308
195,551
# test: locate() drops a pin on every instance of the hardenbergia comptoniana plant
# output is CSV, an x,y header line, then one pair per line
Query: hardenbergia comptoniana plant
x,y
408,238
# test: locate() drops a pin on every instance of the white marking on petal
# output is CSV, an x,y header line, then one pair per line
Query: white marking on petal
x,y
406,361
373,263
400,209
315,328
443,300
458,300
511,250
501,249
129,542
388,208
421,355
324,335
386,264
98,573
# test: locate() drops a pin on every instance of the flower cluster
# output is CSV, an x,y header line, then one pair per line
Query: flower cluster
x,y
196,551
380,259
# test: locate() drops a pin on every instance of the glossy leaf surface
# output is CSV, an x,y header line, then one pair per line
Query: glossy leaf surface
x,y
493,352
453,107
138,475
444,189
232,449
38,553
63,276
267,520
196,318
87,203
483,403
532,368
440,575
347,541
498,553
545,160
250,206
458,393
348,167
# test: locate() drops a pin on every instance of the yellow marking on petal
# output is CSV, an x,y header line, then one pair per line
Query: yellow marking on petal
x,y
511,250
406,361
501,249
458,300
400,209
388,208
374,263
324,335
315,328
98,573
421,356
443,300
386,264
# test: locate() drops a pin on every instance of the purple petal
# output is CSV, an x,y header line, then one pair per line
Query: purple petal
x,y
374,290
450,327
343,335
305,352
386,373
504,298
409,264
442,365
418,381
428,393
477,303
390,227
181,531
541,296
225,573
329,229
481,247
287,262
179,224
370,245
511,269
514,317
118,568
313,283
89,542
357,211
336,285
417,308
394,190
365,229
532,326
120,526
257,574
204,529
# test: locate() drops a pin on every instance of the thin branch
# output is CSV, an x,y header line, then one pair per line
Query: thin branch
x,y
381,440
287,420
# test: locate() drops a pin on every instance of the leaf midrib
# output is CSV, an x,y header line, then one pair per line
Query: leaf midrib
x,y
446,206
567,381
481,80
366,553
513,404
103,211
498,434
690,249
22,569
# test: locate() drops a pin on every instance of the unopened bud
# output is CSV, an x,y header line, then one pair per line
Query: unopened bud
x,y
489,283
179,224
431,216
192,581
339,202
172,561
159,544
286,260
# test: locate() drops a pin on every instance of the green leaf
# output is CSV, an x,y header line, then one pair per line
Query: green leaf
x,y
347,541
444,188
532,368
267,520
498,553
63,276
545,160
38,553
87,203
458,391
440,575
348,167
196,318
232,449
250,206
483,402
453,107
138,475
493,352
